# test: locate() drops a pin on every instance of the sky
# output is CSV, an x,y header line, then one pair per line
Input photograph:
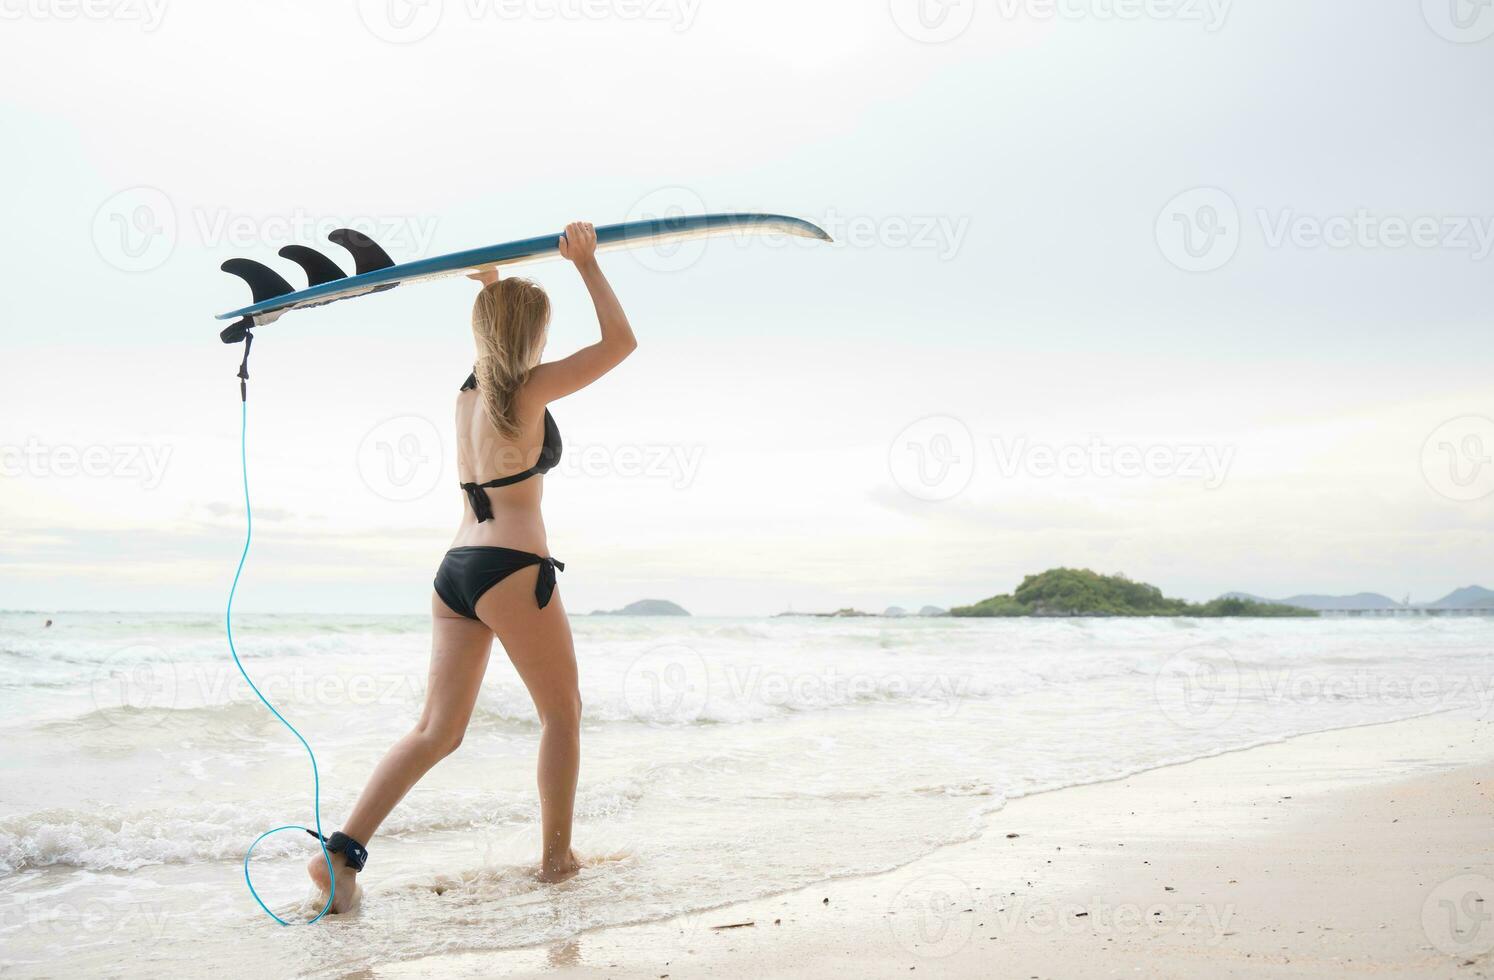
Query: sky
x,y
1188,289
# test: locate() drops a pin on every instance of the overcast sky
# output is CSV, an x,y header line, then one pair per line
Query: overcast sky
x,y
1196,291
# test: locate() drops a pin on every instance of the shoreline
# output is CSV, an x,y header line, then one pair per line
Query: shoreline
x,y
1326,852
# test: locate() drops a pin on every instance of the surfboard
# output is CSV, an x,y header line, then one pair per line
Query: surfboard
x,y
374,271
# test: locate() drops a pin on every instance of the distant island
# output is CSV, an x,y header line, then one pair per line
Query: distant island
x,y
896,611
645,607
1081,592
1469,600
893,612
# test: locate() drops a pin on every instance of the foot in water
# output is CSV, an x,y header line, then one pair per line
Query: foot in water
x,y
550,871
348,892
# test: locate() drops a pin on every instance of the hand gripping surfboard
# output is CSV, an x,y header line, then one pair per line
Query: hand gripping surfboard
x,y
374,271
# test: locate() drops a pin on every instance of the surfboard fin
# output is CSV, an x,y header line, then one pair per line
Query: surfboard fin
x,y
264,282
367,255
319,269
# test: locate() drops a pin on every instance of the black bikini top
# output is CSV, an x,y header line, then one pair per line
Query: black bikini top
x,y
549,456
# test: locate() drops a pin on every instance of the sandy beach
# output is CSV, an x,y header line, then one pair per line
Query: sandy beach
x,y
1363,851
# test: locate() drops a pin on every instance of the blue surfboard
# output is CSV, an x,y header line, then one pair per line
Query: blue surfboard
x,y
374,270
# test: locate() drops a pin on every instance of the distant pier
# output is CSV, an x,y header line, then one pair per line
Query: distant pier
x,y
1408,611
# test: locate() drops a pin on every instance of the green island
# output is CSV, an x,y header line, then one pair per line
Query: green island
x,y
1081,592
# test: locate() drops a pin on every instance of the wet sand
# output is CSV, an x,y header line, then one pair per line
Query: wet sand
x,y
1367,851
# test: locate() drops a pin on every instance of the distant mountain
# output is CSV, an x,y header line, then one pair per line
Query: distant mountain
x,y
645,607
1364,600
1470,597
1361,600
898,612
1473,596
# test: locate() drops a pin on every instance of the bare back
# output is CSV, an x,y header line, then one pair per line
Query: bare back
x,y
484,454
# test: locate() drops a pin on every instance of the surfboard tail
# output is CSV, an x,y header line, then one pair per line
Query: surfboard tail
x,y
266,285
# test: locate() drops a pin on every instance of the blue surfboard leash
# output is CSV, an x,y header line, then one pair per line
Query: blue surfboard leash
x,y
316,782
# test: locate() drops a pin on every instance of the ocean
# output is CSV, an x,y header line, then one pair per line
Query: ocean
x,y
722,759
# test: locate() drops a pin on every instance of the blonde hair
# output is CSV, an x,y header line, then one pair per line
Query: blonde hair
x,y
508,323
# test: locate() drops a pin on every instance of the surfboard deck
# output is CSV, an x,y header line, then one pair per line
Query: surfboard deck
x,y
376,271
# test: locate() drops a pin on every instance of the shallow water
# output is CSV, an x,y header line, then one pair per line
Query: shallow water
x,y
722,759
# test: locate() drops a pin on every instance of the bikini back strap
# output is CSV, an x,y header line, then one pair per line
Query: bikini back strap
x,y
482,507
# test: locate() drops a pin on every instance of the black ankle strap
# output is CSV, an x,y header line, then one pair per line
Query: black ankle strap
x,y
340,843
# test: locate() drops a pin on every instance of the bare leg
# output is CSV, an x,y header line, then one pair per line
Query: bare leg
x,y
459,656
538,641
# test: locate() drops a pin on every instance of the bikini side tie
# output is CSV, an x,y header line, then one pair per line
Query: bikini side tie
x,y
544,586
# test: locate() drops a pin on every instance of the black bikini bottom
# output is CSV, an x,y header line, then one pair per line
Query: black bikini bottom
x,y
466,573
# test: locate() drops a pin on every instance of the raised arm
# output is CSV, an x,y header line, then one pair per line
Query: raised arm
x,y
556,379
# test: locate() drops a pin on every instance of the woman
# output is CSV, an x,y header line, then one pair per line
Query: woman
x,y
498,579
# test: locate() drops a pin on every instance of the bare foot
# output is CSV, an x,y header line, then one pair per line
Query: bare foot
x,y
551,872
348,892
